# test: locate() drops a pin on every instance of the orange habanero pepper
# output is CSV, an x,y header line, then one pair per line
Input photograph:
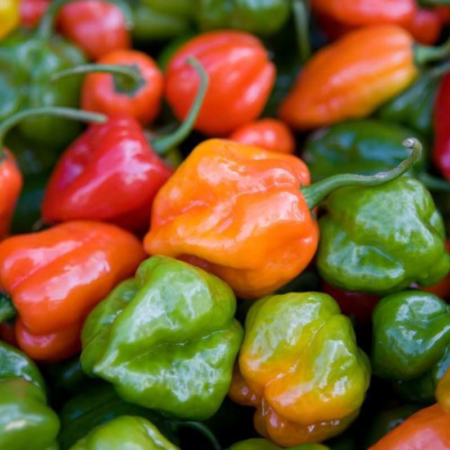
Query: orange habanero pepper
x,y
245,214
55,277
428,429
352,77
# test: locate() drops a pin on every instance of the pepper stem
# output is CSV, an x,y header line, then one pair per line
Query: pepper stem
x,y
164,143
66,113
203,430
424,54
46,25
7,310
301,15
317,192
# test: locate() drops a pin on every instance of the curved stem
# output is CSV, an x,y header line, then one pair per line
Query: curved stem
x,y
164,143
433,183
46,25
424,54
301,17
66,113
203,430
317,192
7,310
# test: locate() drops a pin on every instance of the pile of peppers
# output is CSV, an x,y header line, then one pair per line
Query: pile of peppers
x,y
224,224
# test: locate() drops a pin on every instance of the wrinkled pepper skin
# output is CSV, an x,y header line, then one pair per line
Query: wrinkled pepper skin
x,y
351,78
426,430
155,20
267,234
55,277
262,18
263,444
301,368
441,122
27,64
125,432
269,134
230,101
9,17
98,27
184,318
381,240
411,342
362,147
131,172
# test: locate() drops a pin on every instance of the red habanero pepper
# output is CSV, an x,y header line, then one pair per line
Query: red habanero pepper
x,y
444,14
269,134
31,12
97,26
55,277
123,82
231,101
426,26
428,429
111,173
441,118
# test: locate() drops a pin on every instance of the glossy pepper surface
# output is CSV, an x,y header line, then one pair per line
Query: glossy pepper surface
x,y
263,18
426,430
301,368
9,16
412,328
263,444
269,134
383,239
230,101
182,317
123,432
55,277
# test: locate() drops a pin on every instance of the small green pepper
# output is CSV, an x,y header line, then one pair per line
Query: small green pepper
x,y
167,339
263,444
411,342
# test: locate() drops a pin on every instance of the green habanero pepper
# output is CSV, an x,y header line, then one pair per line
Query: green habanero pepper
x,y
411,342
263,444
166,340
382,239
262,18
155,20
125,432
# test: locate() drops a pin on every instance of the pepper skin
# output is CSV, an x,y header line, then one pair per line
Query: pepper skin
x,y
262,18
426,430
351,78
443,392
269,134
184,318
412,328
441,289
31,12
381,240
263,444
9,16
98,27
441,151
426,26
304,371
125,432
230,101
55,277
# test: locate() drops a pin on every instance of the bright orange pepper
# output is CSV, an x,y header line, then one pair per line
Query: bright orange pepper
x,y
428,429
352,77
269,134
55,277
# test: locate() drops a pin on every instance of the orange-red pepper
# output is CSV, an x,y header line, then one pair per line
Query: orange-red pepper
x,y
55,277
231,101
428,429
352,77
269,134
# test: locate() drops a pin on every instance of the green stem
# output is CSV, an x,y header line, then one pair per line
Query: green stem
x,y
66,113
46,25
317,192
203,430
7,310
164,143
439,71
433,183
424,54
301,15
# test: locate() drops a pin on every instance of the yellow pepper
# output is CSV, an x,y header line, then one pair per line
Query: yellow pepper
x,y
9,16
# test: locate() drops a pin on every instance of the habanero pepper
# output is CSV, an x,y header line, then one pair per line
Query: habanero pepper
x,y
263,444
352,77
230,101
55,277
9,17
443,391
31,12
111,173
441,289
441,122
257,231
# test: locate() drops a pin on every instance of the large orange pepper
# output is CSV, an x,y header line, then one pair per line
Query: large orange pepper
x,y
352,77
244,214
428,429
55,277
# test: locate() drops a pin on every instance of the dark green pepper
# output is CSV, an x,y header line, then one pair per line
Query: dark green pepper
x,y
263,18
167,339
263,444
382,239
411,342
